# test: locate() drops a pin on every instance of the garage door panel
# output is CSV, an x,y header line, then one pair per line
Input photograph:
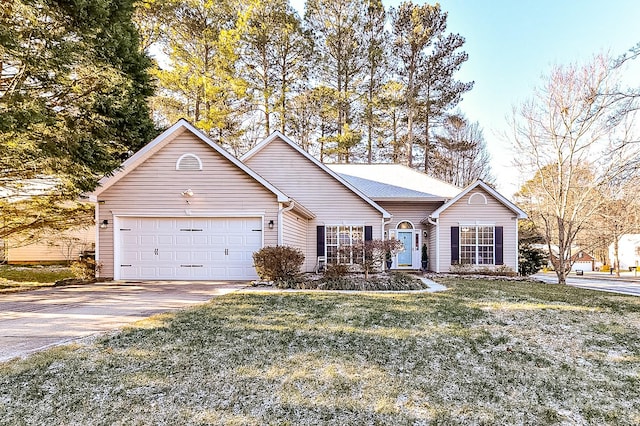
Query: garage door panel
x,y
166,256
253,238
236,240
217,240
201,240
128,239
218,225
200,256
189,248
217,257
148,240
165,240
149,226
147,256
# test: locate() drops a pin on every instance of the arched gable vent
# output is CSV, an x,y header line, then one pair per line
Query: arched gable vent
x,y
477,198
188,162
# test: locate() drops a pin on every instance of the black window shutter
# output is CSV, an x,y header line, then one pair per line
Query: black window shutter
x,y
499,246
320,240
368,233
455,245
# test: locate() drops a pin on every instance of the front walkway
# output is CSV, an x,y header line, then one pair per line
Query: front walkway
x,y
35,320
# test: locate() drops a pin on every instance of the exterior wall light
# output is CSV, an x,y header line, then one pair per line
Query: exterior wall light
x,y
104,224
271,224
187,193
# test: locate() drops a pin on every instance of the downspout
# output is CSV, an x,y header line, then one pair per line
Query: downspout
x,y
281,212
517,248
435,223
384,224
96,246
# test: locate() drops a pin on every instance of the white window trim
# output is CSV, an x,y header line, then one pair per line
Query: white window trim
x,y
472,196
477,245
413,227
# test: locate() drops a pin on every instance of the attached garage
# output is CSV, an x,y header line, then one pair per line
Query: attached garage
x,y
202,248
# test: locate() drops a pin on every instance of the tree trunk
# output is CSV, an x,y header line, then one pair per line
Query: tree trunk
x,y
616,257
427,145
410,111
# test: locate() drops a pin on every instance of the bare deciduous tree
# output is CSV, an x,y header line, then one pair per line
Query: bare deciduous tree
x,y
573,137
461,156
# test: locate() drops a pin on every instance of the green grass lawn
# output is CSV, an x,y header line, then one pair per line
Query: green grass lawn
x,y
16,278
481,353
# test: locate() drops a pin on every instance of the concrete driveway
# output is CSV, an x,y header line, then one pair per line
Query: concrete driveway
x,y
35,320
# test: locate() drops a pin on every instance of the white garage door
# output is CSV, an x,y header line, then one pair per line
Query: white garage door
x,y
188,248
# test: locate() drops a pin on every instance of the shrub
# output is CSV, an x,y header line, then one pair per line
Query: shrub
x,y
530,259
466,269
280,264
394,281
336,270
85,269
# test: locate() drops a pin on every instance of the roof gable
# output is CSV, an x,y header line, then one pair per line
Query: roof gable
x,y
508,204
162,140
279,136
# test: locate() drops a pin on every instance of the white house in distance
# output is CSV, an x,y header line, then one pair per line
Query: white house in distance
x,y
628,251
184,208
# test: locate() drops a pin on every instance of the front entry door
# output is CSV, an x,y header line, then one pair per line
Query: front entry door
x,y
405,257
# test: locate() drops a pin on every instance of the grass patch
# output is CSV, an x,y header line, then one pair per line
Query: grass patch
x,y
17,278
485,352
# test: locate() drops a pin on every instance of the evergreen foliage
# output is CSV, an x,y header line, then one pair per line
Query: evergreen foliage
x,y
240,69
530,259
73,105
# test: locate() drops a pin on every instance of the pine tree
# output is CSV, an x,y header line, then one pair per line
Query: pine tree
x,y
427,60
73,103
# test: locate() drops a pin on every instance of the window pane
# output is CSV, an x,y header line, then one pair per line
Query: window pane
x,y
468,235
332,234
468,255
485,235
357,234
332,255
485,255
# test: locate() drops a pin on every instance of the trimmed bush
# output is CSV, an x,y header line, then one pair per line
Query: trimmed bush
x,y
280,264
394,281
497,271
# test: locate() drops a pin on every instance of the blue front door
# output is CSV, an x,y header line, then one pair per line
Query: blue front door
x,y
405,256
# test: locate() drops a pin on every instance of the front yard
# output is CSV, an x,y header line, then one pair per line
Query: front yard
x,y
23,277
481,353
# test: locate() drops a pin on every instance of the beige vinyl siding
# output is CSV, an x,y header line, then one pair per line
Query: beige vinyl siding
x,y
62,247
294,232
413,211
154,189
493,213
434,250
331,201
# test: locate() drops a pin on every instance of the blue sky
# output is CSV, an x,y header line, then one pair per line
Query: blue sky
x,y
513,43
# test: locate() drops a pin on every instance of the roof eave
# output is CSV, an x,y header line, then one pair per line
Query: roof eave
x,y
412,199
